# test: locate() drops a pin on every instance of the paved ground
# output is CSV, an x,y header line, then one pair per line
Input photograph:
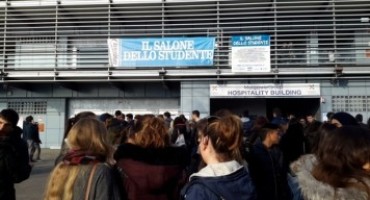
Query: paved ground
x,y
33,188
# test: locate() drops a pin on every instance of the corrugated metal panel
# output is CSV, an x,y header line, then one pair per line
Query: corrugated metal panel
x,y
307,36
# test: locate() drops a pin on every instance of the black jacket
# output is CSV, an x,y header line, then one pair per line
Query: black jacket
x,y
7,163
31,132
268,173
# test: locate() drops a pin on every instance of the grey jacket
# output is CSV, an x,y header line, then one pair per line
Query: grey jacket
x,y
103,185
313,189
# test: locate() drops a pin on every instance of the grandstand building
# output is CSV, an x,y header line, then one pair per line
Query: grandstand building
x,y
60,57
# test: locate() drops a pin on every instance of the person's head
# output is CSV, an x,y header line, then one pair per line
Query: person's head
x,y
195,115
87,135
130,117
359,118
105,118
310,118
276,112
119,115
220,138
152,133
29,119
259,122
167,115
245,113
8,121
160,117
343,158
324,130
302,121
270,134
223,113
343,119
72,121
329,115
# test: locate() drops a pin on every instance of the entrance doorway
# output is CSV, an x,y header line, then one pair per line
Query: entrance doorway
x,y
264,106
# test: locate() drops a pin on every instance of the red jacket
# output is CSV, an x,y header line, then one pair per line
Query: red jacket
x,y
152,174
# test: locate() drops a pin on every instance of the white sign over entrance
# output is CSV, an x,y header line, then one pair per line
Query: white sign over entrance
x,y
265,90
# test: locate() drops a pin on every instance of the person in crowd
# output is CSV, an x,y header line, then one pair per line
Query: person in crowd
x,y
33,138
195,116
179,135
14,159
292,142
130,119
70,123
149,166
260,122
167,119
303,122
84,169
359,119
121,118
267,168
115,133
329,116
106,118
247,123
311,132
311,120
306,162
343,119
277,117
340,169
223,177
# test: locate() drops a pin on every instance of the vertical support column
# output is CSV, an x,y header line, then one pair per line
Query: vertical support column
x,y
4,39
195,96
109,30
275,36
56,38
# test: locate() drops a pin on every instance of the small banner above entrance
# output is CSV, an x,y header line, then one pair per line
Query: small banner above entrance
x,y
162,52
250,53
265,90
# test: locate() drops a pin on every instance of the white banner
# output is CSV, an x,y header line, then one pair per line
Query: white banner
x,y
265,90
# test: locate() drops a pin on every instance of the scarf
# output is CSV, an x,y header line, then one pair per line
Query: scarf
x,y
77,157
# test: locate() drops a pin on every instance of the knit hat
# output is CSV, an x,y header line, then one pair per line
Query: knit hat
x,y
345,119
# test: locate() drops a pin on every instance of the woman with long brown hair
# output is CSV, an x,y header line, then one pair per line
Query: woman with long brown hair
x,y
149,166
223,177
342,167
84,173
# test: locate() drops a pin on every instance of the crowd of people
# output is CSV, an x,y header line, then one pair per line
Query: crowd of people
x,y
225,156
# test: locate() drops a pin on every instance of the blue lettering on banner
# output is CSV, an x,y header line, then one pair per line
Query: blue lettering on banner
x,y
250,40
166,52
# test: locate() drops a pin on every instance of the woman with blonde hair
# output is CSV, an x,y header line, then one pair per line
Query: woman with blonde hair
x,y
223,177
150,167
84,173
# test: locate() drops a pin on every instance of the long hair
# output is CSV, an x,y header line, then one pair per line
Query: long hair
x,y
87,135
341,157
152,134
225,134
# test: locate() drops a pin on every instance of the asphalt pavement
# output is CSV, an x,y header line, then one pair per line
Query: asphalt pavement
x,y
34,187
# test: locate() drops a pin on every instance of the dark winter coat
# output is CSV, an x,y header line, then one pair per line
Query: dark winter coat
x,y
268,173
234,186
150,173
31,132
7,164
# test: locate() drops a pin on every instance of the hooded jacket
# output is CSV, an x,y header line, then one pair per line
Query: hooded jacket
x,y
228,180
152,173
313,189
